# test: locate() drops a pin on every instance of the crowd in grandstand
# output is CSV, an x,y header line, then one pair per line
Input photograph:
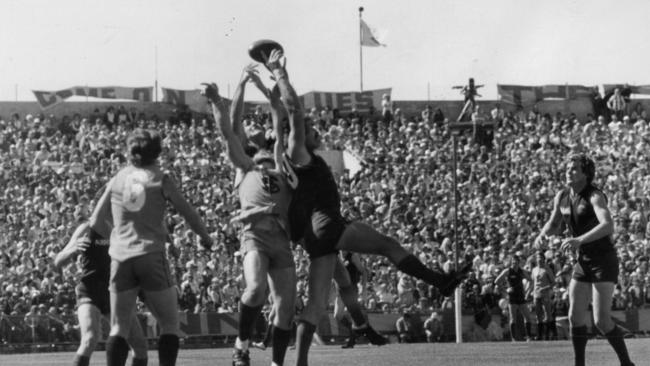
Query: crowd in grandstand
x,y
509,167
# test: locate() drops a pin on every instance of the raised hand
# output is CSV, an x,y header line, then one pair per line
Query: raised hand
x,y
211,92
273,61
249,73
254,77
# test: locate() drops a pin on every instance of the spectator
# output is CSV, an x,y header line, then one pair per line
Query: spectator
x,y
616,103
407,327
433,328
394,187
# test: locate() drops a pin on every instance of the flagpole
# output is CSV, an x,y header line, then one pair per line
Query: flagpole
x,y
360,51
156,73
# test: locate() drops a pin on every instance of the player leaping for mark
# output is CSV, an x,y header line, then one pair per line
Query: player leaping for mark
x,y
347,289
264,196
315,216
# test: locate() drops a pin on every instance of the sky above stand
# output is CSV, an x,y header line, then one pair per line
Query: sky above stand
x,y
432,45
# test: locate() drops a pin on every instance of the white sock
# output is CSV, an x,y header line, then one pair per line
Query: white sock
x,y
242,345
360,326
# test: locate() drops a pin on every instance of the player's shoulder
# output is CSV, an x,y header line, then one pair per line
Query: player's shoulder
x,y
592,192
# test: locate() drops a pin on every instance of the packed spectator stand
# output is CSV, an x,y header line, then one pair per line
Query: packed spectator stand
x,y
510,166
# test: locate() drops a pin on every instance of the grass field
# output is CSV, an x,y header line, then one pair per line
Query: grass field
x,y
481,354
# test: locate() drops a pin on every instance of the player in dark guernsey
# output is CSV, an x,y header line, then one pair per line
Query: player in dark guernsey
x,y
91,249
315,216
582,207
514,276
347,290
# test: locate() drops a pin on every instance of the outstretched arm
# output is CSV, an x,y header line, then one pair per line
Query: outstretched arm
x,y
101,218
237,105
278,115
174,195
234,146
74,246
553,224
296,145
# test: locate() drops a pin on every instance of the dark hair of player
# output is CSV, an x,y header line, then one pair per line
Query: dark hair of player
x,y
587,165
144,147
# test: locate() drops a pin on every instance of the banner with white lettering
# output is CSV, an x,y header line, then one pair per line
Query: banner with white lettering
x,y
195,101
47,99
191,98
346,101
528,95
626,89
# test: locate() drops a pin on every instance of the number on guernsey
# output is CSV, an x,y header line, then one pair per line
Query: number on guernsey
x,y
135,194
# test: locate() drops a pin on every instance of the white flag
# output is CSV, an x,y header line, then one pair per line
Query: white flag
x,y
369,36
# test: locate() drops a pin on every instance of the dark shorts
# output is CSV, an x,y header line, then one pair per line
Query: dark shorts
x,y
518,300
96,294
149,272
322,236
596,269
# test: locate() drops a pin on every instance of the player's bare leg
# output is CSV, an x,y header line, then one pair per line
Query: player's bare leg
x,y
321,271
361,238
602,294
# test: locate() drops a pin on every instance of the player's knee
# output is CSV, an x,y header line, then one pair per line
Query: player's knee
x,y
575,320
254,296
284,317
88,342
604,324
389,247
139,346
348,291
168,326
312,313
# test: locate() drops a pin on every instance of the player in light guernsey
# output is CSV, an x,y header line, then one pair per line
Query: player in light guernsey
x,y
136,198
264,196
543,280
